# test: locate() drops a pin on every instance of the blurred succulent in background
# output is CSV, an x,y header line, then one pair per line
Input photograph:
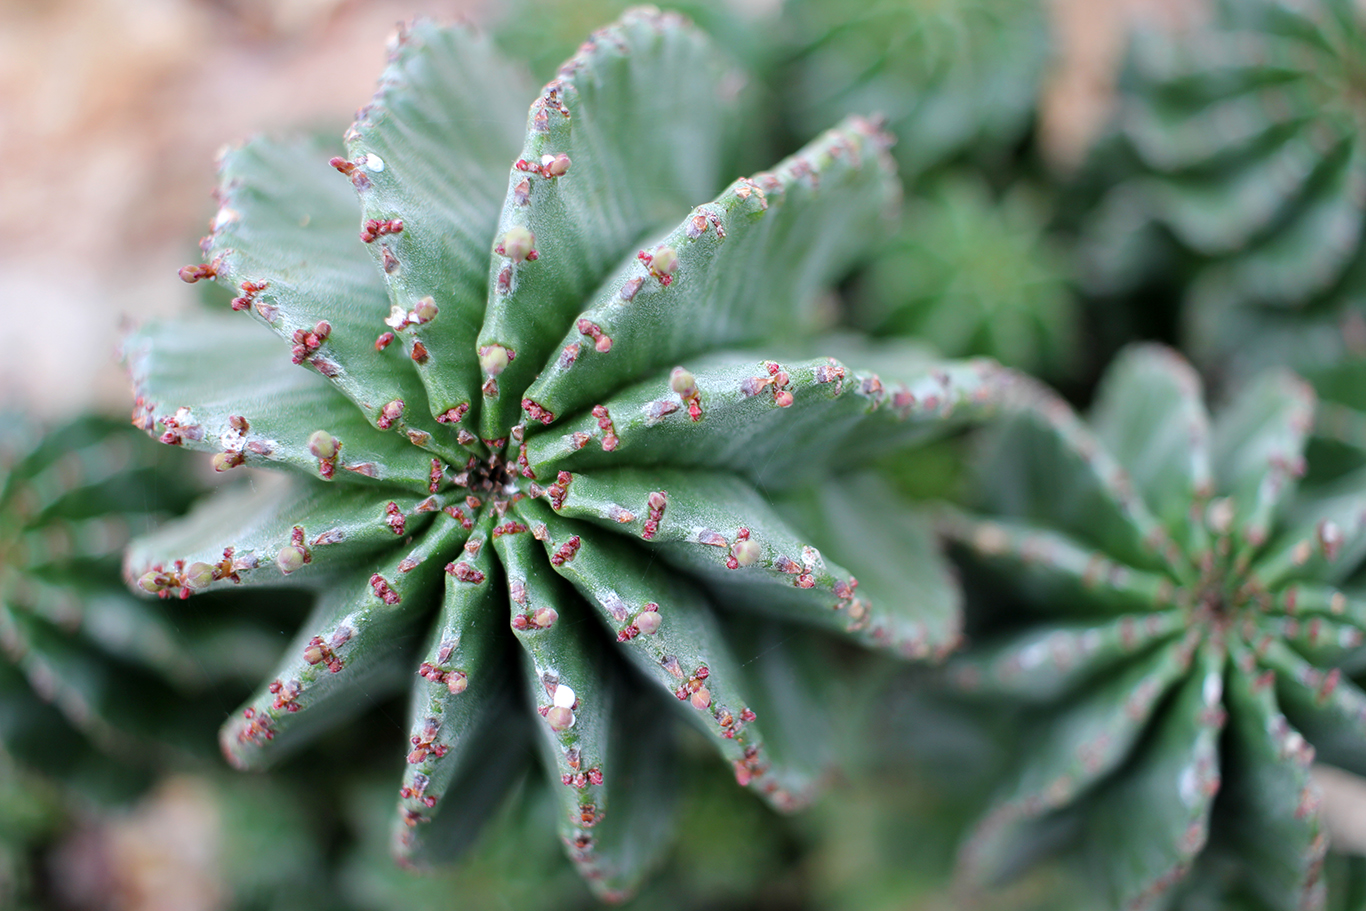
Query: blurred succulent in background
x,y
1245,164
544,33
99,690
486,423
956,80
1186,625
974,277
95,679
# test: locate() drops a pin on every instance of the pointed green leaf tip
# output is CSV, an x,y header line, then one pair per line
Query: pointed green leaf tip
x,y
473,431
1189,582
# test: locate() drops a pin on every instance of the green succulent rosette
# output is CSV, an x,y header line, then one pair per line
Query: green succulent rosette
x,y
974,276
957,79
1179,623
550,428
1244,138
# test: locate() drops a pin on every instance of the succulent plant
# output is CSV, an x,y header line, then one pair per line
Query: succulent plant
x,y
1186,628
956,79
520,414
93,679
1246,152
974,277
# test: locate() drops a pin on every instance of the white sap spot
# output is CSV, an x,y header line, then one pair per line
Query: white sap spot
x,y
1294,743
1348,637
1033,655
1188,786
374,163
225,216
233,440
1213,688
398,317
564,697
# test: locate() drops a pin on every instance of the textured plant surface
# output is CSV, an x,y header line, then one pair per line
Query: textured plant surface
x,y
93,679
1189,630
1245,138
522,398
955,79
972,276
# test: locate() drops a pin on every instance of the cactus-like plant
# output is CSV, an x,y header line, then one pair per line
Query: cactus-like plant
x,y
91,677
955,80
974,277
1245,137
1188,628
526,398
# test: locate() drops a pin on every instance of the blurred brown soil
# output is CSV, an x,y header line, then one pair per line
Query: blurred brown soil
x,y
1090,37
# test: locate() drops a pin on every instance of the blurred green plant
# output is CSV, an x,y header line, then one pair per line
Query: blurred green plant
x,y
1243,178
1182,620
958,80
974,276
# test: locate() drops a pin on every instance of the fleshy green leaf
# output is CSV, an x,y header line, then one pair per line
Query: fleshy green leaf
x,y
1151,415
667,630
789,678
430,152
643,791
1308,254
209,377
285,242
1083,743
1058,573
639,116
1146,828
462,690
1222,213
1051,662
1042,464
742,268
752,412
83,685
247,535
569,682
474,790
1323,538
1321,601
722,529
352,650
857,521
1273,820
1326,707
1171,139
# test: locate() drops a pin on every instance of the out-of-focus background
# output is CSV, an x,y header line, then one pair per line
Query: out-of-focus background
x,y
111,112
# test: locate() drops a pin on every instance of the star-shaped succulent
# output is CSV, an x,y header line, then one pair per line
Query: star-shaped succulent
x,y
974,276
1187,628
1245,139
526,397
